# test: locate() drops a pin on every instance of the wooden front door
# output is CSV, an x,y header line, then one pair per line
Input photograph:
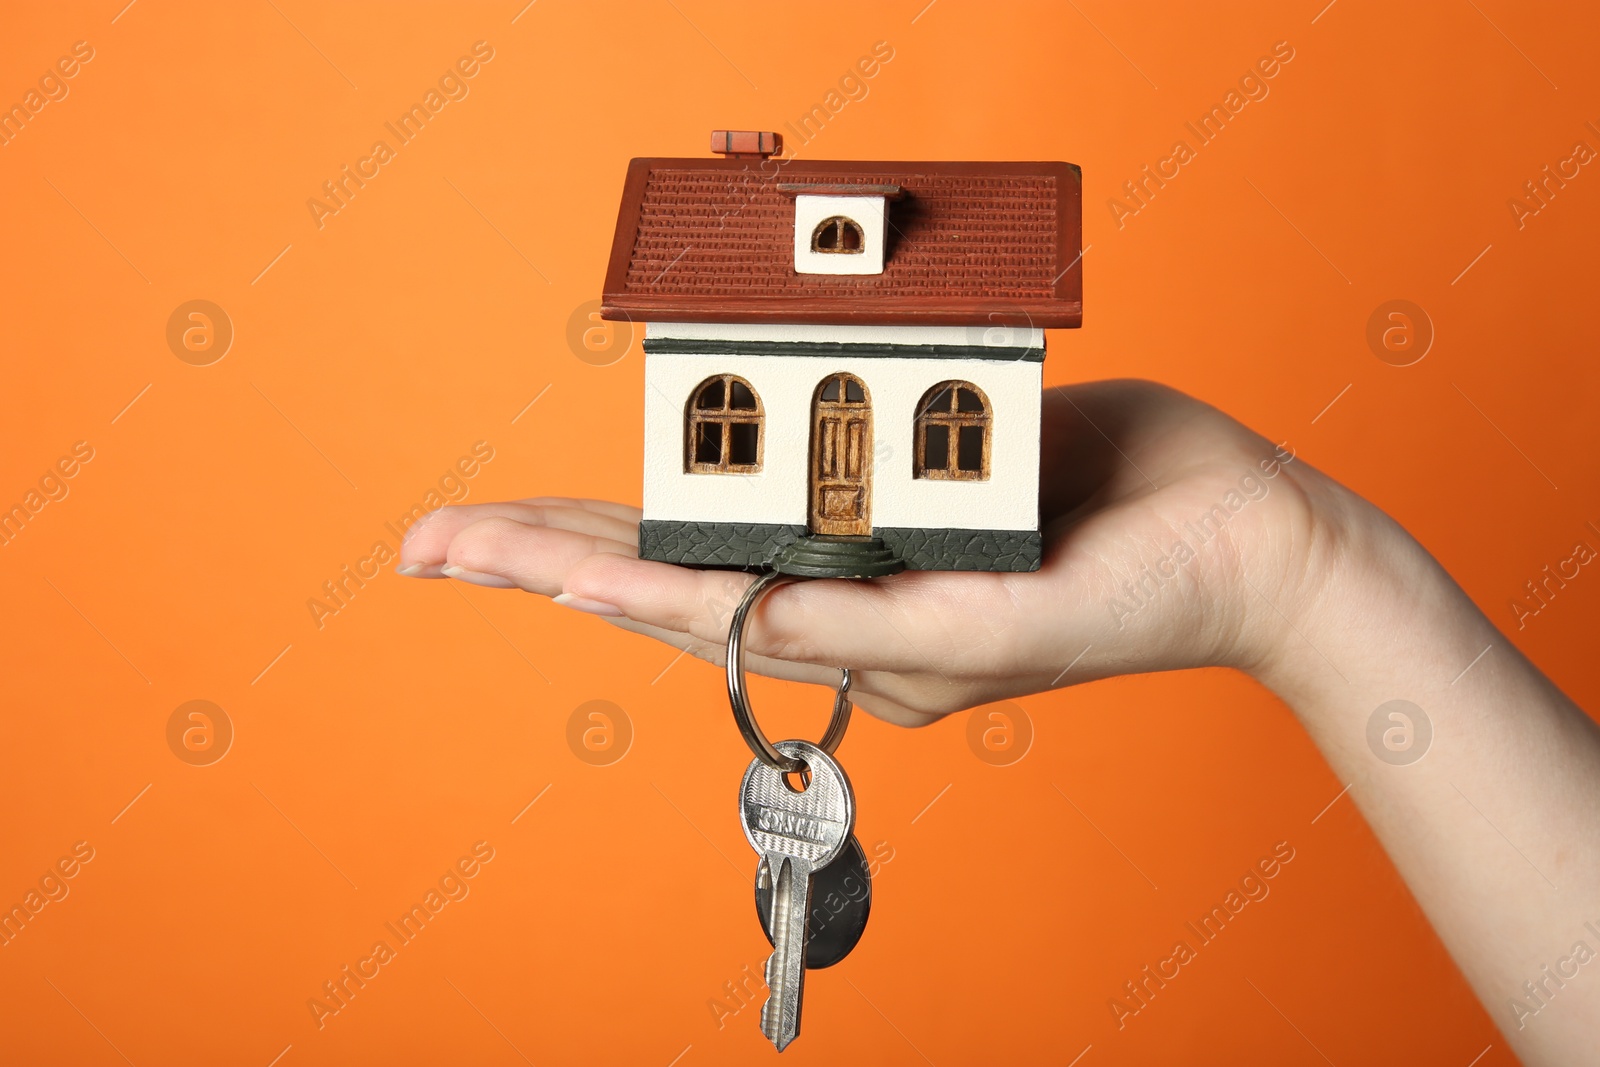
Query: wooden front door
x,y
841,458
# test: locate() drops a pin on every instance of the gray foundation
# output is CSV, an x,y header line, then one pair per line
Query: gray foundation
x,y
750,546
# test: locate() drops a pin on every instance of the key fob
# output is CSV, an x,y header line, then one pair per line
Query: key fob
x,y
841,900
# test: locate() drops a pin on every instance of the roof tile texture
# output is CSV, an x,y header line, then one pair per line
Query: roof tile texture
x,y
708,240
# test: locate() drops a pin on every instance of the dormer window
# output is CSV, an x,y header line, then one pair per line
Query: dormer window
x,y
838,228
837,235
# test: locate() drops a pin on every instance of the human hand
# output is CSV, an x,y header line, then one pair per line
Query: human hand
x,y
1174,537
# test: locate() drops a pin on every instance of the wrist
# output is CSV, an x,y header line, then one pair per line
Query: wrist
x,y
1368,602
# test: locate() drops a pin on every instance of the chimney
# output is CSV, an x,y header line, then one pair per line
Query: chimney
x,y
745,144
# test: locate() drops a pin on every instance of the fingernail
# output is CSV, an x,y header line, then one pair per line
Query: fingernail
x,y
593,607
493,581
411,570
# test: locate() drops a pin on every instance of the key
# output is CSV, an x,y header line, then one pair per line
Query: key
x,y
797,834
841,901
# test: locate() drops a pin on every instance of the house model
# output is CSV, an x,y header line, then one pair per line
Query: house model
x,y
843,360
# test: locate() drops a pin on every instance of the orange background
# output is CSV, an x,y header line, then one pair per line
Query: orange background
x,y
372,752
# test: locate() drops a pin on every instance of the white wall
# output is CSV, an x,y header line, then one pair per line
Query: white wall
x,y
1008,500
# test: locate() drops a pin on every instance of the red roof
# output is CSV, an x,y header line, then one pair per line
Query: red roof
x,y
712,240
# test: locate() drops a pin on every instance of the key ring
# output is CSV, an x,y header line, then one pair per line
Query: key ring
x,y
739,698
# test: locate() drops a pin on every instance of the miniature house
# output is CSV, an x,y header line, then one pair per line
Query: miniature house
x,y
843,360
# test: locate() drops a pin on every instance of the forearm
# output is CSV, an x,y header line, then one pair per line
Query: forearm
x,y
1501,805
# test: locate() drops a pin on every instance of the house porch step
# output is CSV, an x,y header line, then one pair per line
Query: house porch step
x,y
826,556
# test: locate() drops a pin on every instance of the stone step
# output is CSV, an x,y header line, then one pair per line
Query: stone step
x,y
825,556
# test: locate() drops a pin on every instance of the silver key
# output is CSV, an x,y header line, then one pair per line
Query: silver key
x,y
797,834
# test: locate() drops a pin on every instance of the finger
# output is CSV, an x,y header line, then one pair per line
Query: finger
x,y
862,687
534,558
895,714
625,512
892,624
715,653
422,554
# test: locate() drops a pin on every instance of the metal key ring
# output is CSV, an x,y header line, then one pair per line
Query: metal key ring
x,y
740,699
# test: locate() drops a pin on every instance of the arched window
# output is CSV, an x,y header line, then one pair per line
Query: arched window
x,y
722,434
837,234
951,438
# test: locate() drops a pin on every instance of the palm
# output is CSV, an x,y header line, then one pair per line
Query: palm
x,y
1130,470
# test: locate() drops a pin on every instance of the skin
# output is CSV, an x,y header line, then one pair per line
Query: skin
x,y
1293,579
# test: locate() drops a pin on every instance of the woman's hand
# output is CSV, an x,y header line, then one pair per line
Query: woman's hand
x,y
1174,537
